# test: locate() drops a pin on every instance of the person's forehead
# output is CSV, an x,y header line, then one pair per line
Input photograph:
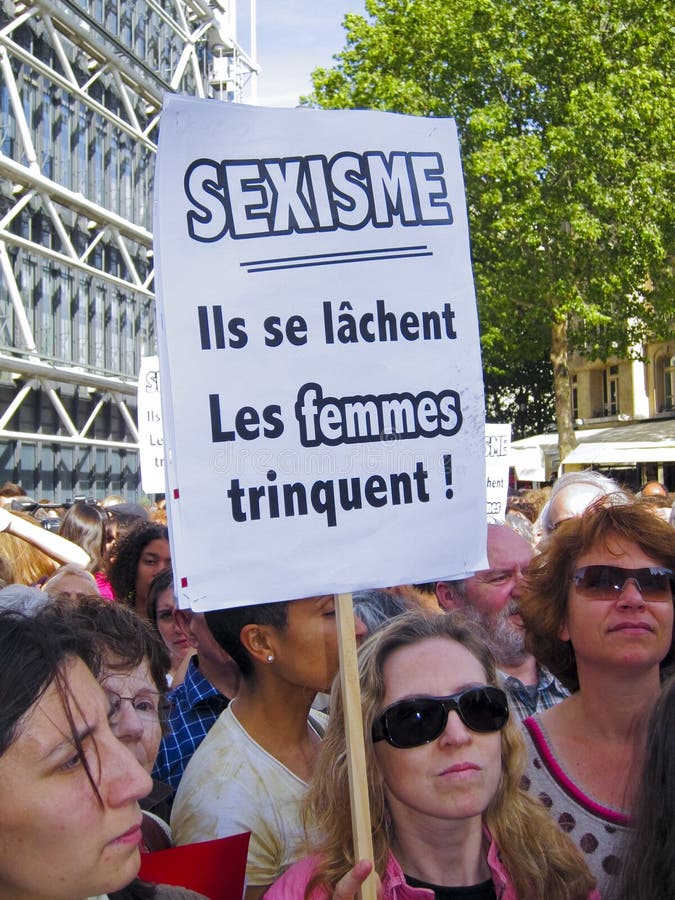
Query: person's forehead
x,y
506,548
46,725
619,550
157,546
74,583
166,599
436,666
572,501
137,678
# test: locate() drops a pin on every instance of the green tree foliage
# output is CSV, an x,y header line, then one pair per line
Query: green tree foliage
x,y
566,115
521,395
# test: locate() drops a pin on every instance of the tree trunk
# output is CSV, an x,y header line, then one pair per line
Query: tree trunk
x,y
561,388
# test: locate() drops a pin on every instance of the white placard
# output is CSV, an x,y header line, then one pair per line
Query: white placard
x,y
150,433
321,379
497,450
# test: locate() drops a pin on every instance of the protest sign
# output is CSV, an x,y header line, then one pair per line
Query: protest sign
x,y
497,448
216,868
321,379
150,432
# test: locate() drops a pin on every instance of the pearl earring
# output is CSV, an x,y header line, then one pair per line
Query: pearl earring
x,y
270,658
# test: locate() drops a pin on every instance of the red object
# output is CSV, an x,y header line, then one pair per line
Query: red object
x,y
216,869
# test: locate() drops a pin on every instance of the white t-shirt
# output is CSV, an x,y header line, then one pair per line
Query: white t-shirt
x,y
232,785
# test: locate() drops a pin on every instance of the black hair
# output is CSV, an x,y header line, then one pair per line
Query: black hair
x,y
226,626
35,651
122,639
127,553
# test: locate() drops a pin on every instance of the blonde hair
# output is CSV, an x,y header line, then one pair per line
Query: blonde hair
x,y
541,861
27,563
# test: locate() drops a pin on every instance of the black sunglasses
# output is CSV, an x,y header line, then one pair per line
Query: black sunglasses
x,y
420,720
601,582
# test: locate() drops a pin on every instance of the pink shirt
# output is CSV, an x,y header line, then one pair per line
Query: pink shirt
x,y
104,586
292,884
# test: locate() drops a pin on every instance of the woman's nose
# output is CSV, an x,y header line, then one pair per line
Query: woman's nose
x,y
630,594
128,725
455,732
124,779
359,628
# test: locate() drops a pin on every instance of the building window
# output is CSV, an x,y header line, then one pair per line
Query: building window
x,y
575,399
664,383
610,390
668,382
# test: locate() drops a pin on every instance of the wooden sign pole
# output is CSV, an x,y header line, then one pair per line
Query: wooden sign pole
x,y
353,723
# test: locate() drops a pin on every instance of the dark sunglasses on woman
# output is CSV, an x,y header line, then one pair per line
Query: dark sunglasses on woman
x,y
420,720
604,581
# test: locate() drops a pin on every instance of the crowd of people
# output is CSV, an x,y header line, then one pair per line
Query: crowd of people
x,y
518,722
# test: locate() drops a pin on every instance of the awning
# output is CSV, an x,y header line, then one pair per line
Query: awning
x,y
536,458
628,454
627,445
529,463
639,442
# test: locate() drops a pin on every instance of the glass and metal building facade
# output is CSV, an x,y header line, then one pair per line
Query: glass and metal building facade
x,y
81,87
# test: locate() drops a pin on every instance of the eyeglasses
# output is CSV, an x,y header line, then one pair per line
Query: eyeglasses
x,y
602,582
148,706
420,720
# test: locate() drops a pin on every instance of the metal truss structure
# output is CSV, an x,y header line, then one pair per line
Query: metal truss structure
x,y
81,86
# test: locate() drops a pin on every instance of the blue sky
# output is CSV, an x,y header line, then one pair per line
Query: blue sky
x,y
294,37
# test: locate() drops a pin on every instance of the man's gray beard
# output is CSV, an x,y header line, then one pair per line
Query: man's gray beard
x,y
505,640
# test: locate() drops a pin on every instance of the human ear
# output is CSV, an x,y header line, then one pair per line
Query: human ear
x,y
257,642
445,596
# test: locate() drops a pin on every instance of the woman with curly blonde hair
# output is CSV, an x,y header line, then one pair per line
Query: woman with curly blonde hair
x,y
444,763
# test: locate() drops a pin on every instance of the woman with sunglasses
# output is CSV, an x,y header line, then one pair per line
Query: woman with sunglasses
x,y
444,762
598,608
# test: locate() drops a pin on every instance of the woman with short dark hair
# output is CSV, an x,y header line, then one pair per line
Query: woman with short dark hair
x,y
250,773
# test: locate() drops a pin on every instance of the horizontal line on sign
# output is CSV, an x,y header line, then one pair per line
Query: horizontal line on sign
x,y
335,262
284,259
